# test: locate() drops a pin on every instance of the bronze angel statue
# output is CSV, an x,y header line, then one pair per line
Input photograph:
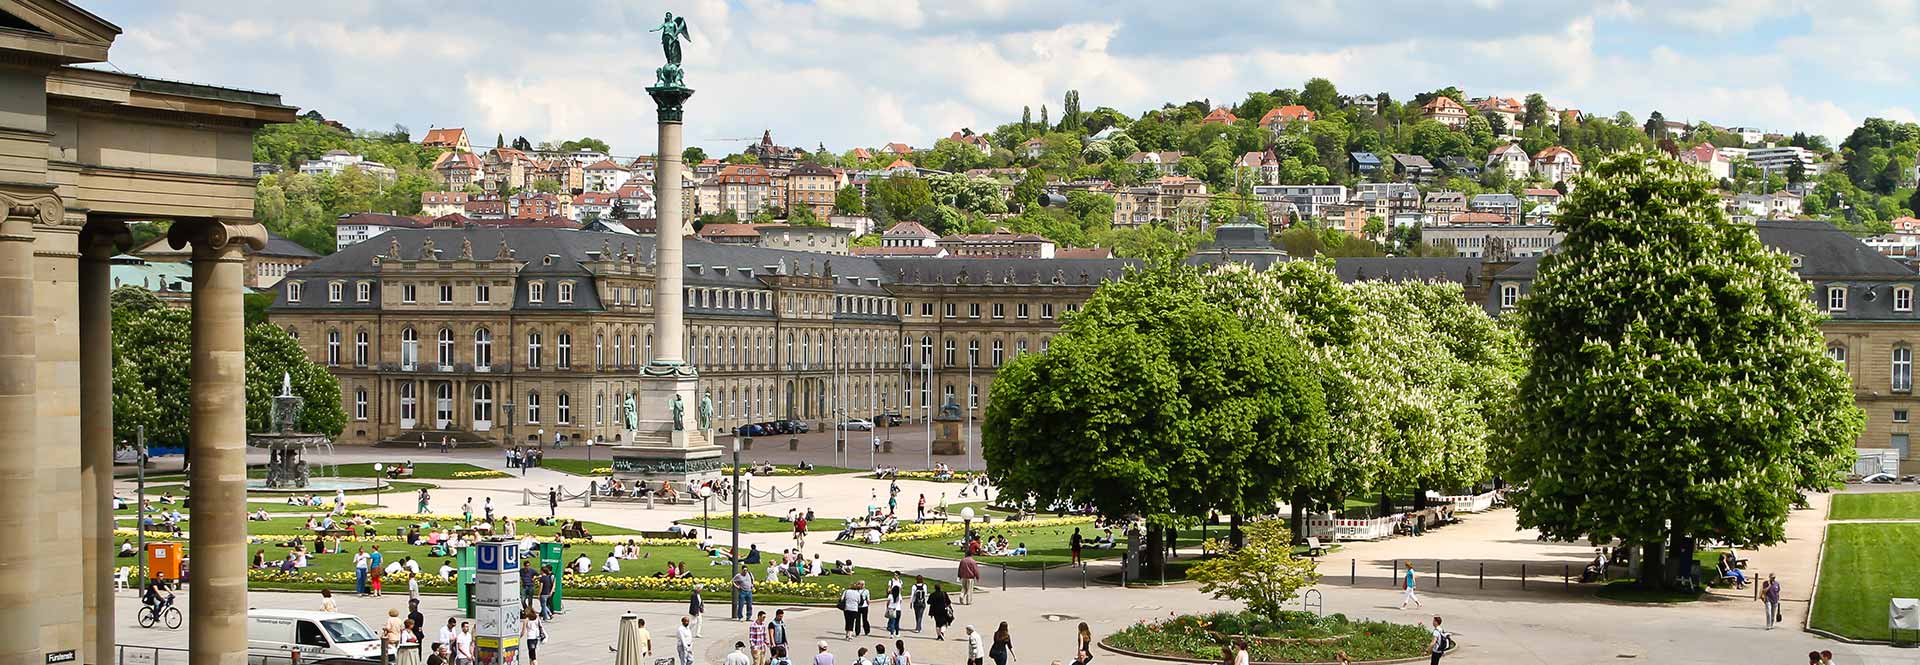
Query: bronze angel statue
x,y
672,30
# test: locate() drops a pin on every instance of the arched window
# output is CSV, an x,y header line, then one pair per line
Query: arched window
x,y
599,357
999,352
293,291
949,349
563,409
566,292
483,349
1903,299
563,349
533,350
360,348
649,356
333,348
926,350
359,403
483,402
633,348
409,405
789,354
533,407
536,292
1838,353
446,347
409,348
334,289
599,408
1509,296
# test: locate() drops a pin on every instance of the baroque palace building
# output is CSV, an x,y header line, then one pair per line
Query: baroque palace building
x,y
538,334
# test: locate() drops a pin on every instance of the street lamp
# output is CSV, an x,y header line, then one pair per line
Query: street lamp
x,y
966,529
379,485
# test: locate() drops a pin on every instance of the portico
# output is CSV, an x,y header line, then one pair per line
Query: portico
x,y
82,154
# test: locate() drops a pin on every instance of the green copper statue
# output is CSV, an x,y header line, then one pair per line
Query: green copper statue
x,y
633,414
679,414
672,30
706,411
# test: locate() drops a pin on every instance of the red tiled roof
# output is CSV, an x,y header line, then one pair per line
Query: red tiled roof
x,y
1083,253
862,153
728,231
379,219
1479,218
897,251
900,163
1443,104
1288,113
603,165
593,199
1535,191
448,136
1551,151
1219,115
897,148
1505,148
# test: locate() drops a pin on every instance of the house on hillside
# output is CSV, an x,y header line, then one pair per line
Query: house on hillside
x,y
1363,164
1445,111
1556,164
449,138
1277,120
1219,116
1413,168
1512,159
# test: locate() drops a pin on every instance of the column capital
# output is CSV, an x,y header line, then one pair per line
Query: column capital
x,y
42,208
213,237
101,240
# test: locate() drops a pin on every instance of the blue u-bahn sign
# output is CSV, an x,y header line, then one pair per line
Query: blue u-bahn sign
x,y
502,557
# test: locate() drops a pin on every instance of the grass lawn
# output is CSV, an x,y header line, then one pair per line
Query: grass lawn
x,y
823,527
292,525
276,507
1875,506
1864,565
1046,546
421,470
786,470
402,488
579,467
1627,590
604,466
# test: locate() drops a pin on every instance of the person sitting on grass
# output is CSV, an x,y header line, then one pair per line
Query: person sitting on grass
x,y
447,571
257,516
612,565
1019,550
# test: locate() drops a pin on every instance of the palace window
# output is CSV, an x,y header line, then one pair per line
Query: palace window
x,y
1838,353
1902,299
359,403
1046,310
949,349
333,348
536,291
563,349
1836,298
1509,296
973,310
563,409
483,349
334,289
363,291
407,293
999,352
533,350
483,402
409,348
999,310
360,349
566,292
446,348
482,293
1020,310
408,405
533,407
293,291
1902,369
446,294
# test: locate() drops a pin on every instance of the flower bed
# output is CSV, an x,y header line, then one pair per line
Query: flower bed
x,y
951,530
1299,637
259,577
479,475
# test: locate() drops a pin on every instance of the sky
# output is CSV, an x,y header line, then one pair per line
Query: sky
x,y
847,73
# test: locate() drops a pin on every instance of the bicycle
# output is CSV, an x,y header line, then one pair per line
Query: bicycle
x,y
170,616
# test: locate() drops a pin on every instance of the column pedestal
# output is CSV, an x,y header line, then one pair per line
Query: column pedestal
x,y
659,452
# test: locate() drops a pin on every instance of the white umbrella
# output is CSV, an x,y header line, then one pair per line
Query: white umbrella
x,y
626,650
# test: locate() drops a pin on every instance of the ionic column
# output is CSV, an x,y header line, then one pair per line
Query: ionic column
x,y
19,506
217,623
98,243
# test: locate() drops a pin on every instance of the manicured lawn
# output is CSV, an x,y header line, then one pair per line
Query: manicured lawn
x,y
395,487
1864,565
421,470
578,467
823,527
1046,546
785,470
1875,506
275,507
293,525
1627,590
603,466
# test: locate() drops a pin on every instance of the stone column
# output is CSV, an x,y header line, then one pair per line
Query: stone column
x,y
217,624
668,297
19,505
98,243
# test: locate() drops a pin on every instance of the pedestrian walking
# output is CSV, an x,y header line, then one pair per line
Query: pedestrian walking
x,y
743,594
446,445
450,636
696,607
822,658
1441,644
547,587
777,629
1408,596
553,502
850,610
799,532
1770,596
644,638
918,598
417,620
1084,643
976,651
900,655
920,512
1073,544
758,640
487,509
422,500
532,633
464,652
360,563
738,656
969,571
1002,649
893,611
686,635
866,601
941,607
466,512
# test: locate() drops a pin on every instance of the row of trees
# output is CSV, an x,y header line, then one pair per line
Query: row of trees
x,y
1666,381
1183,391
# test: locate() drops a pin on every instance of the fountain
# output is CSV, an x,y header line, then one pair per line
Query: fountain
x,y
297,461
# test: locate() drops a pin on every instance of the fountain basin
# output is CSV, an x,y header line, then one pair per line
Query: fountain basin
x,y
318,485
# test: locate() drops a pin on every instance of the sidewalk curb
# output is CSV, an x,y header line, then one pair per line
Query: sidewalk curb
x,y
1178,659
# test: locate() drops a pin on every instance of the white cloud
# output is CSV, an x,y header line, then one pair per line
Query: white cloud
x,y
865,72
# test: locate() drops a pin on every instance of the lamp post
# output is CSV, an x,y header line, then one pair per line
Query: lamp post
x,y
379,485
140,503
966,529
734,556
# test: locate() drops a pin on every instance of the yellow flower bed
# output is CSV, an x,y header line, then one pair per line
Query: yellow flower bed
x,y
600,470
952,531
480,475
572,582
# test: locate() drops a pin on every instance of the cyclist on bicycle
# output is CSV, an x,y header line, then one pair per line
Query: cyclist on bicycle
x,y
153,599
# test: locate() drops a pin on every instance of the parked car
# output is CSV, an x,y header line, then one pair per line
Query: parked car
x,y
887,419
797,426
857,424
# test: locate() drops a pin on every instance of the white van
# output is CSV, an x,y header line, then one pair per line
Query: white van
x,y
272,635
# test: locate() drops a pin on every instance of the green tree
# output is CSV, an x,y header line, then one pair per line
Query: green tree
x,y
1155,402
847,201
1679,385
272,353
1319,95
1264,574
803,216
897,197
586,143
693,155
1535,114
545,186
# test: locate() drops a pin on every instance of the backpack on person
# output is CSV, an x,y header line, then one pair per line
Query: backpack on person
x,y
1446,641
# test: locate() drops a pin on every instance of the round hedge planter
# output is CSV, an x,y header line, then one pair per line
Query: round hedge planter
x,y
1178,659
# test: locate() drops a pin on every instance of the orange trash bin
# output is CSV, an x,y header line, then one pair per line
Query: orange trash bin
x,y
163,561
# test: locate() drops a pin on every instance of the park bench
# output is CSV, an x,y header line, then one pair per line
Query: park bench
x,y
665,535
1313,546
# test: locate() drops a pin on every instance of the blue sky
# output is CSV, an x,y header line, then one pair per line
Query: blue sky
x,y
865,72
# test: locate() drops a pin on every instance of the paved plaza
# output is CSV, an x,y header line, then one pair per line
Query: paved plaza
x,y
1495,621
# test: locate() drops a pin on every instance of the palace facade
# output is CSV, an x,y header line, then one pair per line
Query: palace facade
x,y
537,334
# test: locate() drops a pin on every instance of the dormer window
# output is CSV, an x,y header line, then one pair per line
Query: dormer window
x,y
536,291
363,291
566,292
293,291
1903,298
1836,298
334,291
1509,296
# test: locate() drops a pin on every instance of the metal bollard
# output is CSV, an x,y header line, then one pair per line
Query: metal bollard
x,y
1566,578
1394,582
1353,572
1083,574
1436,573
1003,577
1523,576
1043,578
1483,574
